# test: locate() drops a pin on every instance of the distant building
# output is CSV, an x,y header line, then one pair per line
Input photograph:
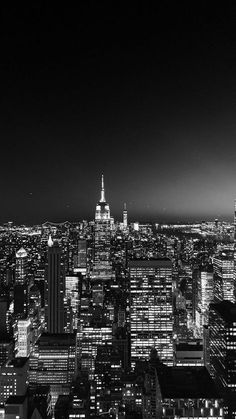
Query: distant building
x,y
125,218
102,238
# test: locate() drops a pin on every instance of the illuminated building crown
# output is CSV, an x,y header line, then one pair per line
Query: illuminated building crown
x,y
102,207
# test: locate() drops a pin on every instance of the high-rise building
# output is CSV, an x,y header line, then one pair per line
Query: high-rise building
x,y
97,330
234,249
204,297
3,315
102,237
181,392
6,349
54,290
82,253
23,337
53,363
222,349
72,297
21,266
13,378
151,311
223,265
125,217
21,284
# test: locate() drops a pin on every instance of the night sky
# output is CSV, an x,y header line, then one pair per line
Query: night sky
x,y
145,95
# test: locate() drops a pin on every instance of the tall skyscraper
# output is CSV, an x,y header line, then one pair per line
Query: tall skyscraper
x,y
54,290
151,311
21,266
21,285
222,351
125,217
223,265
204,297
235,249
102,237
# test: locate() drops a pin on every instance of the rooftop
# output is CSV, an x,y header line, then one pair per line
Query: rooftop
x,y
226,310
56,339
17,362
15,400
145,263
193,346
186,382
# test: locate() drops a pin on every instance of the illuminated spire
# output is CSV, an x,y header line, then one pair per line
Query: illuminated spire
x,y
125,206
50,241
103,199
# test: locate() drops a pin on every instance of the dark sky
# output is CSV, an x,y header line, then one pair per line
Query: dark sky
x,y
145,95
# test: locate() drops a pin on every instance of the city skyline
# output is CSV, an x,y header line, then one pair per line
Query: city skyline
x,y
146,96
132,215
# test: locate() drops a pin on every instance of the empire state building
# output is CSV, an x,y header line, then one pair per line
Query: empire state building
x,y
102,238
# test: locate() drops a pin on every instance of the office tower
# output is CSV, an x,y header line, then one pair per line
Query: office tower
x,y
53,363
82,254
54,290
102,237
6,349
22,337
94,331
3,315
21,300
13,378
234,251
21,266
223,265
21,285
108,372
72,297
35,312
222,348
151,312
204,297
125,217
97,294
181,392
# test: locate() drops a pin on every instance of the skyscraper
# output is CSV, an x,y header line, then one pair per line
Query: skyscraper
x,y
54,290
223,265
102,237
222,350
53,362
125,217
21,266
21,285
151,312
